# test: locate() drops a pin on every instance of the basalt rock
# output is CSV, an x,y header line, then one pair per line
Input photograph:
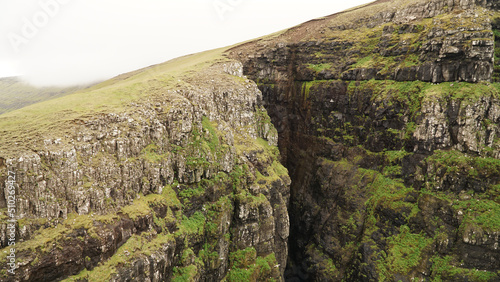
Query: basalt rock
x,y
388,125
387,119
175,186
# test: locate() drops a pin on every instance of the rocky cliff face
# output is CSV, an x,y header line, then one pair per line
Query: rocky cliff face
x,y
389,126
184,185
387,119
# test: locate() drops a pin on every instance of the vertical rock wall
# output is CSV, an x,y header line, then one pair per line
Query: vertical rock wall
x,y
179,185
389,127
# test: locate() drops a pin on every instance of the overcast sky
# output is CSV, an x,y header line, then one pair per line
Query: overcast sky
x,y
63,42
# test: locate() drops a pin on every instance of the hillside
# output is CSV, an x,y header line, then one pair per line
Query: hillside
x,y
362,146
15,94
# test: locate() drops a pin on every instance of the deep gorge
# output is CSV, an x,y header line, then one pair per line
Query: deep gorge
x,y
363,146
369,152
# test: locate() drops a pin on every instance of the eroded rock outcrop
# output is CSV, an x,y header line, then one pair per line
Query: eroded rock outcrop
x,y
387,119
388,125
181,184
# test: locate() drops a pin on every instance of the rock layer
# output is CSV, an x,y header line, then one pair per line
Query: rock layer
x,y
388,125
176,186
387,120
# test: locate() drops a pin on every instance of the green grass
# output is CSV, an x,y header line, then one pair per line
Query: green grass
x,y
192,225
245,198
411,60
213,138
147,243
394,170
238,177
186,194
395,156
320,67
189,193
265,152
445,269
135,247
493,193
468,92
43,239
405,250
413,93
388,193
408,251
247,266
185,274
387,92
139,245
274,173
142,205
483,213
215,215
204,149
480,211
152,153
361,45
496,66
30,125
16,94
455,161
364,62
308,85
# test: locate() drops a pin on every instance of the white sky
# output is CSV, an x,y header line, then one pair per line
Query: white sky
x,y
63,42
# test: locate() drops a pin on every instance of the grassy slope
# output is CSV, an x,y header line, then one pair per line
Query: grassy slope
x,y
318,29
21,129
114,96
24,128
15,94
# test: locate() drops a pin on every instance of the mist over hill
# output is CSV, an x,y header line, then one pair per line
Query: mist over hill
x,y
16,94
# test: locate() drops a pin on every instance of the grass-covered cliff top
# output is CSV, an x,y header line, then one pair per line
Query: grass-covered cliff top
x,y
371,14
16,94
25,128
20,130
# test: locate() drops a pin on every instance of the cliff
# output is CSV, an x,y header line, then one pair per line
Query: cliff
x,y
183,183
388,121
385,116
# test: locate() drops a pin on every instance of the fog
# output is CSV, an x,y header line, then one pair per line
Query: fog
x,y
68,42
